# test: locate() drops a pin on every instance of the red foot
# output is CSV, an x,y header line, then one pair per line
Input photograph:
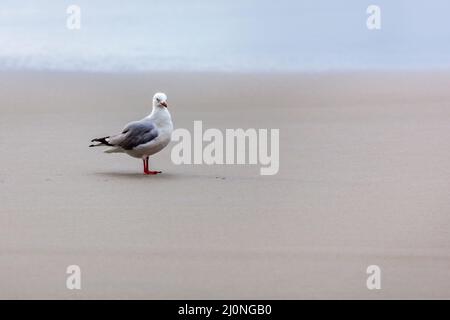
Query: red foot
x,y
146,171
151,172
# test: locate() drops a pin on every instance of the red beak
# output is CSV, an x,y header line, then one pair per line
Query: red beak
x,y
164,104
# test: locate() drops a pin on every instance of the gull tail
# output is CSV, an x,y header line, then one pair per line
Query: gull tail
x,y
101,142
114,150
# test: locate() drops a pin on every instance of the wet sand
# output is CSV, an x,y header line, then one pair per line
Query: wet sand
x,y
364,179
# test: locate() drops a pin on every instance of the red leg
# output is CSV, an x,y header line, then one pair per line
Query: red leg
x,y
146,171
145,161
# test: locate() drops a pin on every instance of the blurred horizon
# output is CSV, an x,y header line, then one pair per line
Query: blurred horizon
x,y
232,36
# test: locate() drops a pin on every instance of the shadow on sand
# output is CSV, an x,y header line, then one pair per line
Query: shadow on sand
x,y
160,176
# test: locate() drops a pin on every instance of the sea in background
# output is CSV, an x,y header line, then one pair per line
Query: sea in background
x,y
231,36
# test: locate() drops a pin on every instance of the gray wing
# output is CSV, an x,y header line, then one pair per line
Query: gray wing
x,y
137,133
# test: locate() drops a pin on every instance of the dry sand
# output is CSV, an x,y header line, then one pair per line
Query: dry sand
x,y
364,179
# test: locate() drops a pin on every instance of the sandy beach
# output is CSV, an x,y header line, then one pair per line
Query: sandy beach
x,y
364,180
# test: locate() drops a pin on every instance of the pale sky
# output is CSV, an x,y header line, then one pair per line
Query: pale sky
x,y
286,35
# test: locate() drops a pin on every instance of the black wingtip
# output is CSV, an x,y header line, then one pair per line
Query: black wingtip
x,y
102,141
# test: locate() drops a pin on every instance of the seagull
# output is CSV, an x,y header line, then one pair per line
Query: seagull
x,y
143,138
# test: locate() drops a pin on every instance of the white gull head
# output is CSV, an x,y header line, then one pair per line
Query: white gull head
x,y
160,100
160,113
